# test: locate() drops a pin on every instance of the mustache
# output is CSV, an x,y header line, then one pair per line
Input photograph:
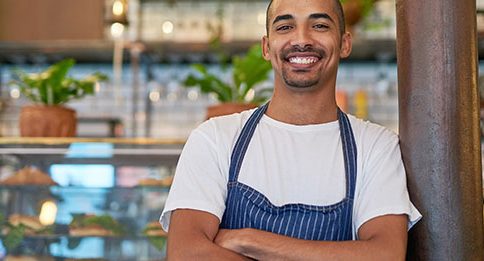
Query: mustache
x,y
300,49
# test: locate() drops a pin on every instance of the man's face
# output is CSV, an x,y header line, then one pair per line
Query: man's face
x,y
304,43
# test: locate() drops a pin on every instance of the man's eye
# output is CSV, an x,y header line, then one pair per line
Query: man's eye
x,y
321,26
283,28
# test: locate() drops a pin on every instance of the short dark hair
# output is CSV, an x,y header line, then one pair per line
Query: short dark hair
x,y
339,12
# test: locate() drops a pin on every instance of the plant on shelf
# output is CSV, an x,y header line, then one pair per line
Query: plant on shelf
x,y
49,91
240,93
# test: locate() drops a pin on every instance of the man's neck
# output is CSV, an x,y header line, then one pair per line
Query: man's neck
x,y
303,108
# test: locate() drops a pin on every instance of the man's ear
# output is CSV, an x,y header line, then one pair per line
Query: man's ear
x,y
265,48
346,45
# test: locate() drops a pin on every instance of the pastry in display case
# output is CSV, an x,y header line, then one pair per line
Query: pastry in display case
x,y
93,225
85,199
28,176
30,225
153,229
166,182
156,235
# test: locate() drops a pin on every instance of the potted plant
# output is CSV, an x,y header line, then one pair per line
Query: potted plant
x,y
355,10
239,94
49,91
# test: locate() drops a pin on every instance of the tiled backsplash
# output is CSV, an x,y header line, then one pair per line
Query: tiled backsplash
x,y
171,111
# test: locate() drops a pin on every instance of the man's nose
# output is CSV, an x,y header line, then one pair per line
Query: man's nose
x,y
302,38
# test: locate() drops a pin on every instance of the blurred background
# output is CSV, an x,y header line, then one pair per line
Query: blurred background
x,y
147,47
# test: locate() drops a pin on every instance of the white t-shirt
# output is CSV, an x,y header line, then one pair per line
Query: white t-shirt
x,y
291,164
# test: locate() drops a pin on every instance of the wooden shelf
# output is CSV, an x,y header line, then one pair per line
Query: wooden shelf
x,y
171,52
159,52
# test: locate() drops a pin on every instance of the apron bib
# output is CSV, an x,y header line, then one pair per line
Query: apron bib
x,y
248,208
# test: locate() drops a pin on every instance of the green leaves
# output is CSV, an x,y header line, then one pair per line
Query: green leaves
x,y
209,83
53,86
366,5
104,221
14,234
14,237
157,242
247,72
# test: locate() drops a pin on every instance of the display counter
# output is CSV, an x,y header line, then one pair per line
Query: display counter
x,y
85,198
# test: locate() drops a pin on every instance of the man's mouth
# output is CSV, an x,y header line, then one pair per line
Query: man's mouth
x,y
303,60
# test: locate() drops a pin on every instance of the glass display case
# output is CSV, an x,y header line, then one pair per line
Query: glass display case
x,y
120,183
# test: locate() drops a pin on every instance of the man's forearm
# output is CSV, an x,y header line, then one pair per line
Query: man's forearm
x,y
191,237
202,249
382,238
263,245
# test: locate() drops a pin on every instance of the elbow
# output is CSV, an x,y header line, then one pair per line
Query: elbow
x,y
388,249
394,252
187,253
181,253
188,250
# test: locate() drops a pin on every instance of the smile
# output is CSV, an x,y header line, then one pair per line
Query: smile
x,y
303,60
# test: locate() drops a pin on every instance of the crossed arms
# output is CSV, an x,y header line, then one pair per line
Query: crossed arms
x,y
195,235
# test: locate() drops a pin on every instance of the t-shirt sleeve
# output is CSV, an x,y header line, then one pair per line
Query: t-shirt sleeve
x,y
383,185
198,183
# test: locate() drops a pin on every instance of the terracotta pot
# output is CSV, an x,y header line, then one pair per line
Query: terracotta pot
x,y
353,12
47,121
228,108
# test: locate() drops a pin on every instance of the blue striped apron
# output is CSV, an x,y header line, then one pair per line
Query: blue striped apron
x,y
248,208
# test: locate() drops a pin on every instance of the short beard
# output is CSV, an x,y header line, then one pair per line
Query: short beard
x,y
298,84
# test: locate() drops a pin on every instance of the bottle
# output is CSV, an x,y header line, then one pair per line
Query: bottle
x,y
360,101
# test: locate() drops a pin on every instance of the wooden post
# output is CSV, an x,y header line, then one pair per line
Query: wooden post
x,y
439,126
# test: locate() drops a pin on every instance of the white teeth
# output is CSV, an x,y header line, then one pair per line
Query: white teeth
x,y
303,60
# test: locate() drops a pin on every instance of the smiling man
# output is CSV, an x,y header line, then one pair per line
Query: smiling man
x,y
296,179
